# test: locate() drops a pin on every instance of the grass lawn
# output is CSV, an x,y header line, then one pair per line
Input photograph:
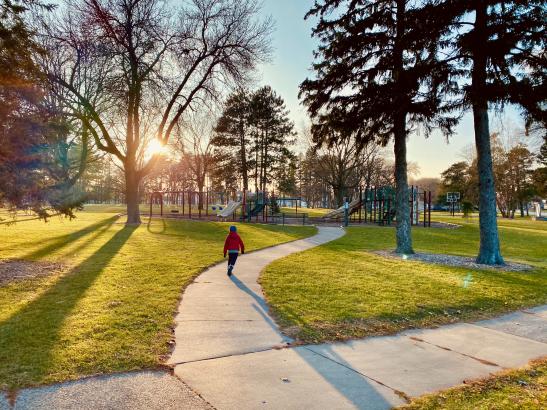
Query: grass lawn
x,y
145,209
340,290
312,212
111,308
517,389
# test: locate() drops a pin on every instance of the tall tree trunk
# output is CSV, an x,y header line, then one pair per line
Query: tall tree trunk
x,y
489,250
265,181
257,145
132,195
262,162
338,195
201,184
402,207
243,153
200,180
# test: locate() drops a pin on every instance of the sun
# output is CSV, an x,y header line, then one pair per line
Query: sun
x,y
155,147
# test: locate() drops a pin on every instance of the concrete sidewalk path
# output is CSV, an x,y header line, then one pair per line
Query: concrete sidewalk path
x,y
372,373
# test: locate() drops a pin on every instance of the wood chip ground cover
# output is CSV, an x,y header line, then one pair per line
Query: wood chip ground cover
x,y
454,260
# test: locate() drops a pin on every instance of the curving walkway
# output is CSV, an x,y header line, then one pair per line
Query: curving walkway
x,y
221,316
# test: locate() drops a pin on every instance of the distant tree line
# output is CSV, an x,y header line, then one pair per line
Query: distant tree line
x,y
520,176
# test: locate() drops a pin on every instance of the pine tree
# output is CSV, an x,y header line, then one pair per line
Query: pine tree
x,y
233,133
273,134
38,168
497,52
254,133
376,77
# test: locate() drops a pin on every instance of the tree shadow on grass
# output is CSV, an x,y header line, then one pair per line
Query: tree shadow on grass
x,y
30,336
62,241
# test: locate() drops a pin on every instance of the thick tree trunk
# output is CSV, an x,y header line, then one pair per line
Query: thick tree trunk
x,y
489,250
402,207
132,196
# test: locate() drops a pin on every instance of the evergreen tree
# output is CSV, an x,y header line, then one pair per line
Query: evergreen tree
x,y
542,155
376,77
454,179
286,177
496,50
254,134
38,168
273,134
233,133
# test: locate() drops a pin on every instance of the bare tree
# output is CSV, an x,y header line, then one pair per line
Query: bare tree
x,y
346,165
193,141
150,62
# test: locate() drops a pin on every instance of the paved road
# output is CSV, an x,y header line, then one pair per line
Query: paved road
x,y
136,391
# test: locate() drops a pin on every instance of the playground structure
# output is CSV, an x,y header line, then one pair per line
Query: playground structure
x,y
370,205
377,205
243,206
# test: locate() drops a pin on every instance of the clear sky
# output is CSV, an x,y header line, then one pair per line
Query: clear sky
x,y
290,65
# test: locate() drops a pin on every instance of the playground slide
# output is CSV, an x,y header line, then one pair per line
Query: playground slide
x,y
338,213
229,210
257,209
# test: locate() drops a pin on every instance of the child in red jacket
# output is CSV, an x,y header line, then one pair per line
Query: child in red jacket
x,y
232,245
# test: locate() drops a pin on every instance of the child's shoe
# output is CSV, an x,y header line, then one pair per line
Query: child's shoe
x,y
230,268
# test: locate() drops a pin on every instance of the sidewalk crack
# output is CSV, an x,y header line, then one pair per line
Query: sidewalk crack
x,y
267,349
399,393
478,359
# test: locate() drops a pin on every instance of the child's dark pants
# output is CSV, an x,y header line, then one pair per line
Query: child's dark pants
x,y
232,258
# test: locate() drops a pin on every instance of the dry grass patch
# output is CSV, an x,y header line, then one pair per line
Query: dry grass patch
x,y
14,270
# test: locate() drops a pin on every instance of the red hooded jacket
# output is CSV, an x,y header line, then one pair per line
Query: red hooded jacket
x,y
233,243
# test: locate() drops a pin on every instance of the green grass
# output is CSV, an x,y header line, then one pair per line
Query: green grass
x,y
517,222
341,290
517,389
312,212
112,307
145,209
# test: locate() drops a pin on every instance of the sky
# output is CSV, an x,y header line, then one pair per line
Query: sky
x,y
291,63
